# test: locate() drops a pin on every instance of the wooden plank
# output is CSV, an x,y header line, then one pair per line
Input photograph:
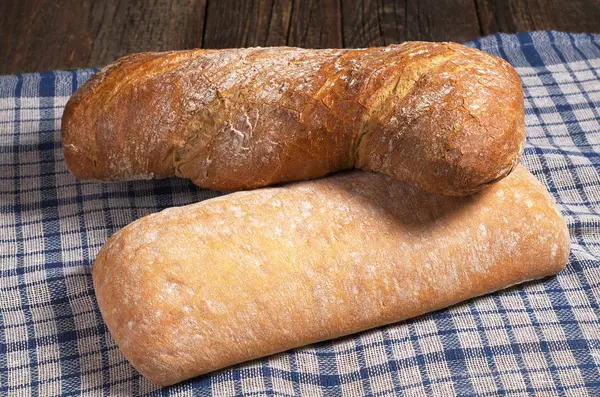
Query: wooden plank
x,y
528,15
377,22
574,16
369,23
231,23
37,35
442,20
40,35
315,24
123,27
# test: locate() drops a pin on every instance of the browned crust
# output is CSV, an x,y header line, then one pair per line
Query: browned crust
x,y
197,288
441,116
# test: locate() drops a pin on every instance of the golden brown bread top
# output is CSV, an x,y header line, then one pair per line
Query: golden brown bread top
x,y
196,288
441,116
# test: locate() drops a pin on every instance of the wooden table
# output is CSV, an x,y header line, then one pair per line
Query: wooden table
x,y
39,35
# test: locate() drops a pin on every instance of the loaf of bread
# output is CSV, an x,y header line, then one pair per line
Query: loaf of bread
x,y
193,289
441,116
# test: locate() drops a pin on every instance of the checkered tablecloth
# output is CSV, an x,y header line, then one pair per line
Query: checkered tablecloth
x,y
541,338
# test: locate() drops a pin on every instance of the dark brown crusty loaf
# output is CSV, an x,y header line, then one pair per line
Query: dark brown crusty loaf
x,y
441,116
197,288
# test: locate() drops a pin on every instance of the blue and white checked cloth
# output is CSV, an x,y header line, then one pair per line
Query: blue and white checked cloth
x,y
541,338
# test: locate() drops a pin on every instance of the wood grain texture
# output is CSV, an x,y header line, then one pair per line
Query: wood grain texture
x,y
38,35
520,15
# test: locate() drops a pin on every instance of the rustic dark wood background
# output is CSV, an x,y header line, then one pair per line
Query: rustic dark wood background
x,y
39,35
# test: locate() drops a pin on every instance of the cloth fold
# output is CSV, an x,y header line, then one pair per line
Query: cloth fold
x,y
542,337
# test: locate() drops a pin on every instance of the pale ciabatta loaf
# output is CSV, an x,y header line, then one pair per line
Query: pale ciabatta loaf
x,y
193,289
441,116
